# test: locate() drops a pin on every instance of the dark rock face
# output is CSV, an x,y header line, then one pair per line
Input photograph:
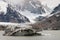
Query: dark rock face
x,y
56,9
13,16
33,6
40,18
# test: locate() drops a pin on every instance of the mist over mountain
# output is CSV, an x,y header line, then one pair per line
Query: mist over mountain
x,y
30,9
26,11
33,6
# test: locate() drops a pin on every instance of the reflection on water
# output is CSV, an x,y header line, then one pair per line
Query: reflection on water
x,y
47,35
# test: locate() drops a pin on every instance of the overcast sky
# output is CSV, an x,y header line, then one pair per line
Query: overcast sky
x,y
50,3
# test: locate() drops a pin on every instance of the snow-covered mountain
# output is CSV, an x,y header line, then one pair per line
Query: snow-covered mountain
x,y
56,9
12,15
28,11
33,8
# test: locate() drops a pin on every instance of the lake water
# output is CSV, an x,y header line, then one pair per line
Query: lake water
x,y
46,35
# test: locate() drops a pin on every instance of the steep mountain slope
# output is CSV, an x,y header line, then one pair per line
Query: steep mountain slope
x,y
12,16
33,6
56,9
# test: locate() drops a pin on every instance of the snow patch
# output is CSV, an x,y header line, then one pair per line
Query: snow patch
x,y
32,16
3,7
29,15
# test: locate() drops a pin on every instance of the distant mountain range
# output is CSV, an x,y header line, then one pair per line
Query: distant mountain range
x,y
31,10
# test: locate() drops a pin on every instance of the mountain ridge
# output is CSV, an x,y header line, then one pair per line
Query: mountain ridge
x,y
12,16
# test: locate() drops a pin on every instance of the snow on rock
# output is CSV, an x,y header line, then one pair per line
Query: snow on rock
x,y
32,16
32,6
3,7
29,15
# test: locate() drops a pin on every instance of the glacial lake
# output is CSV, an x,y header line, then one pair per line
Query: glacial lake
x,y
46,35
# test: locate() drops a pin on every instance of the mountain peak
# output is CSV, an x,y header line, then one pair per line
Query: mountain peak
x,y
13,16
56,9
33,6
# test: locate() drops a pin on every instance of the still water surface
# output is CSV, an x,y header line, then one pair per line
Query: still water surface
x,y
46,35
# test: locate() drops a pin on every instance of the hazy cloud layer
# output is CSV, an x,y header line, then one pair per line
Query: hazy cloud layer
x,y
50,3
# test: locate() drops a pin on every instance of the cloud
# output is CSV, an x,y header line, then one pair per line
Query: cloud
x,y
15,1
50,3
3,6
